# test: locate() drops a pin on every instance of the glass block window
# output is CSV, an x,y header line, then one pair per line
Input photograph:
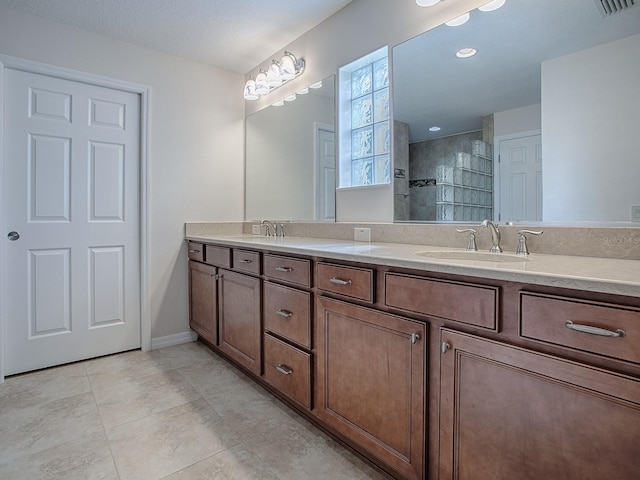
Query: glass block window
x,y
365,154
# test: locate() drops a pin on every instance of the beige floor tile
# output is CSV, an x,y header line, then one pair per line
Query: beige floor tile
x,y
31,389
83,458
292,456
105,372
214,377
135,399
188,354
49,424
248,408
237,463
166,442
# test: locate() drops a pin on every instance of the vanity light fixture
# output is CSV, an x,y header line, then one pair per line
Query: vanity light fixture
x,y
466,52
491,6
427,3
279,72
461,20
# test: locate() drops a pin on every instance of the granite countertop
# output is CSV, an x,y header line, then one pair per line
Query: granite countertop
x,y
621,277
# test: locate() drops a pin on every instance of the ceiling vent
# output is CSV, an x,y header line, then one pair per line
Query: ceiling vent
x,y
609,7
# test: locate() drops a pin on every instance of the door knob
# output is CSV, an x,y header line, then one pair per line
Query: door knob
x,y
13,236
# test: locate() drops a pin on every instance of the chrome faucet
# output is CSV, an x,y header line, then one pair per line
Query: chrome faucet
x,y
270,228
495,235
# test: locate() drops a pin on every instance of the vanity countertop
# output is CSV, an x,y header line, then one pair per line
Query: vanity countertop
x,y
621,277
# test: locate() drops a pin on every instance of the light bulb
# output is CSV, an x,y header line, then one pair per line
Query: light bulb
x,y
262,86
274,79
250,90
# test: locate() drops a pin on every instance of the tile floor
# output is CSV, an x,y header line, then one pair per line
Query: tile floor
x,y
175,413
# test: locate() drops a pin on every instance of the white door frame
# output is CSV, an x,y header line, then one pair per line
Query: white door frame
x,y
16,63
497,166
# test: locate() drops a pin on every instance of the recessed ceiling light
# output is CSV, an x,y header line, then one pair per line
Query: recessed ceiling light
x,y
494,5
456,22
434,129
466,52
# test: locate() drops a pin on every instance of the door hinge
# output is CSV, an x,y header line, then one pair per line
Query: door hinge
x,y
217,276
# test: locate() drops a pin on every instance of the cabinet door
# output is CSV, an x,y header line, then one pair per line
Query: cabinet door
x,y
203,312
239,319
507,412
371,382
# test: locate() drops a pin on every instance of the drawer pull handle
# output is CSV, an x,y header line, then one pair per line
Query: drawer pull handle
x,y
283,369
284,313
339,281
194,251
284,269
245,260
594,330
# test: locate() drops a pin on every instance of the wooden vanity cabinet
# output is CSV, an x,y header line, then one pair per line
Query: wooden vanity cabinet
x,y
370,382
287,307
203,301
508,412
240,326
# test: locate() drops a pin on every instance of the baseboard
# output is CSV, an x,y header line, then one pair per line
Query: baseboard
x,y
175,339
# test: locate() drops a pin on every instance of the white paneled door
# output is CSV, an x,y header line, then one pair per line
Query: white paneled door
x,y
325,173
520,187
71,221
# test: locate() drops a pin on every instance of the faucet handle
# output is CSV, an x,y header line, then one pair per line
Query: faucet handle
x,y
523,249
471,246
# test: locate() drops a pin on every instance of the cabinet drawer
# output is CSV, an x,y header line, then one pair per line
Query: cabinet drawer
x,y
196,251
562,321
220,256
467,303
246,261
348,281
288,369
291,270
287,312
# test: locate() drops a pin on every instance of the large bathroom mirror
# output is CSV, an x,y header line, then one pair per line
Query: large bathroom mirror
x,y
290,158
551,92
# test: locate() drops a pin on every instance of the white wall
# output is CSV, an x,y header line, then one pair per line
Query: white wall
x,y
195,141
358,29
591,122
523,119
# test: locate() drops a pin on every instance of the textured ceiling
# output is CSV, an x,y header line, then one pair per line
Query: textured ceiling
x,y
232,34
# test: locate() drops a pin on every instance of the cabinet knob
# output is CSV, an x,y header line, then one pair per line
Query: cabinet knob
x,y
445,347
414,338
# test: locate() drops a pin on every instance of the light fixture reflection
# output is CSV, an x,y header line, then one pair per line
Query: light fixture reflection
x,y
466,52
434,129
427,3
491,6
461,20
316,85
290,98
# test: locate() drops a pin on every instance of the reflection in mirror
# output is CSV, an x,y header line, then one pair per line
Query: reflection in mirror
x,y
551,80
290,158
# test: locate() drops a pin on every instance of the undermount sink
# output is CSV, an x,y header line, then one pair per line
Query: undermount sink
x,y
474,256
